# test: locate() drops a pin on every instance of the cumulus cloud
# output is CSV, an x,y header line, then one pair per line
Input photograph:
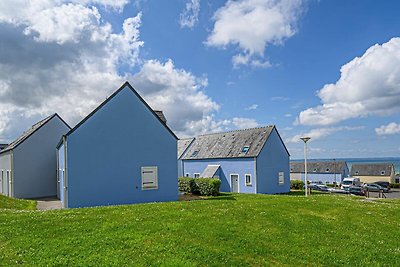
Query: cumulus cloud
x,y
190,15
252,25
391,128
252,107
244,123
319,133
368,85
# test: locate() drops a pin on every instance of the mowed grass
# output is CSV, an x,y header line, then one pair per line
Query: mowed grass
x,y
229,230
16,204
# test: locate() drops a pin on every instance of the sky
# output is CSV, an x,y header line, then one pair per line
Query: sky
x,y
325,69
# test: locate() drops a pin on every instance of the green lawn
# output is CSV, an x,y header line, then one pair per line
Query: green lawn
x,y
223,231
16,204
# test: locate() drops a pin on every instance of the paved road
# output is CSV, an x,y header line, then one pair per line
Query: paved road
x,y
394,193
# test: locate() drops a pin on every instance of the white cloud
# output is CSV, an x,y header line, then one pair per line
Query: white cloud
x,y
244,123
252,25
391,128
252,107
190,15
368,85
319,133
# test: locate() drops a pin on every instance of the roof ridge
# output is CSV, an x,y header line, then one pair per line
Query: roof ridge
x,y
237,130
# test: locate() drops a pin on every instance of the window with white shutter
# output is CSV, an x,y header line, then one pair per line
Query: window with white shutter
x,y
149,178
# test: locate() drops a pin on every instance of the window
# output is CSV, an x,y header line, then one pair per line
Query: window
x,y
281,178
327,170
397,180
248,179
149,178
382,172
356,172
315,170
194,154
187,174
197,175
245,149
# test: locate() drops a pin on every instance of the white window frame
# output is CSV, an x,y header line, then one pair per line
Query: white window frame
x,y
245,179
281,181
155,180
187,174
196,174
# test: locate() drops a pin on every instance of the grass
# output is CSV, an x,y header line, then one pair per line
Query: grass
x,y
229,230
16,204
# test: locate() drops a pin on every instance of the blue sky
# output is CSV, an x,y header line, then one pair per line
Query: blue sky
x,y
328,69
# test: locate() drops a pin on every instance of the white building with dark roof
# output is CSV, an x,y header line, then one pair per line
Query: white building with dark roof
x,y
246,161
327,172
374,172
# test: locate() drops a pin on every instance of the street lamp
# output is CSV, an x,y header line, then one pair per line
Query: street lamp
x,y
305,140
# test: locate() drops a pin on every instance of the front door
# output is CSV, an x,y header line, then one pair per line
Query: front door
x,y
234,183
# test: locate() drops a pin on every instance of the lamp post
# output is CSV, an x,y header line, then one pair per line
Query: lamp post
x,y
305,140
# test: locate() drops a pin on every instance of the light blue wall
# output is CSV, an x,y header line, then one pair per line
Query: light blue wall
x,y
106,153
322,177
34,161
239,166
272,160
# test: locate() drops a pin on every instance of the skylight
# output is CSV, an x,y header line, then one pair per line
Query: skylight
x,y
245,149
194,154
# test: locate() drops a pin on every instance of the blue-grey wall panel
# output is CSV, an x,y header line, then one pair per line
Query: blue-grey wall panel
x,y
272,160
105,155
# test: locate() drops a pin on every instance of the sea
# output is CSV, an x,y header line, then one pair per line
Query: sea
x,y
350,161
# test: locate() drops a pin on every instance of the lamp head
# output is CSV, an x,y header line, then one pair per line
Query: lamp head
x,y
305,139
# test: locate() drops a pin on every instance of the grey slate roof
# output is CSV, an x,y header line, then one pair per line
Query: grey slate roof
x,y
160,114
318,167
372,169
229,144
183,144
209,171
28,133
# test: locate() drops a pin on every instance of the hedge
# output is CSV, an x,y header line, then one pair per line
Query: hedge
x,y
296,184
200,186
395,185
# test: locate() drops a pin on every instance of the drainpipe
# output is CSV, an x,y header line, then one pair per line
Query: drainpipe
x,y
65,171
255,175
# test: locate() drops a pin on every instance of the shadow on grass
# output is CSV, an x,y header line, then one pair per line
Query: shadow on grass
x,y
302,193
222,196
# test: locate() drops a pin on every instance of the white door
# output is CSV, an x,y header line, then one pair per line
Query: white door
x,y
234,183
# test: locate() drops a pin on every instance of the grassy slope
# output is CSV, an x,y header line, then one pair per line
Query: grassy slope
x,y
16,204
229,230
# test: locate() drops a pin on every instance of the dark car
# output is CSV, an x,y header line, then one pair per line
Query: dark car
x,y
383,184
322,188
356,190
375,188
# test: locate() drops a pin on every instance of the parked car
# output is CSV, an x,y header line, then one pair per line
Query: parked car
x,y
356,190
350,181
375,188
383,184
322,188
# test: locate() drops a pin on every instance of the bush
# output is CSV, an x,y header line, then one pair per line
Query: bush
x,y
395,185
296,184
200,186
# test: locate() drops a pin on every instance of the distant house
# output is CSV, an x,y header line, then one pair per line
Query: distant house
x,y
327,172
246,161
121,153
373,172
28,164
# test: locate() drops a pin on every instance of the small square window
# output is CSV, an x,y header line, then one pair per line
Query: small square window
x,y
197,175
315,170
149,178
327,170
194,154
281,178
187,174
356,172
248,179
382,172
245,149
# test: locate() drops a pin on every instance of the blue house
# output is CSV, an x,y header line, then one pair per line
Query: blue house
x,y
121,153
246,161
326,172
28,165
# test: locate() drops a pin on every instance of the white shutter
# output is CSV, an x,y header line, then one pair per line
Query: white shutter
x,y
149,178
281,178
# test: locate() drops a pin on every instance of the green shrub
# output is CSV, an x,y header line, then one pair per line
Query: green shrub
x,y
199,186
296,184
185,184
395,185
207,186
